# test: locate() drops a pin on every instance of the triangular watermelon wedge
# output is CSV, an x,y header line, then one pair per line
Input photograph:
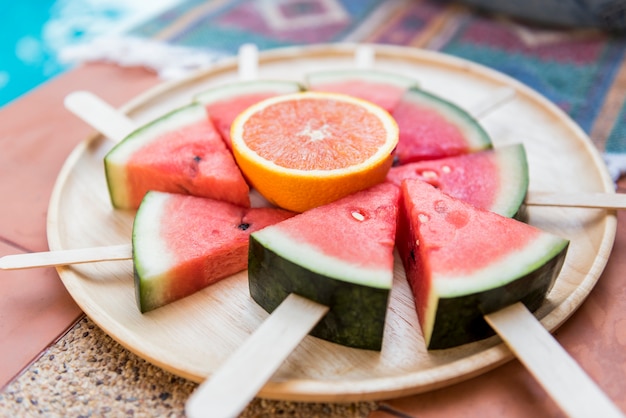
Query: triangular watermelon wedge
x,y
495,179
225,102
181,244
180,152
431,127
380,87
339,255
463,262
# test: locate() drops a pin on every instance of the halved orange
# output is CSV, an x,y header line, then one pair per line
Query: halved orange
x,y
307,149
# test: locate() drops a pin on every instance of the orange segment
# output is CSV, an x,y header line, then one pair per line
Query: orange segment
x,y
307,149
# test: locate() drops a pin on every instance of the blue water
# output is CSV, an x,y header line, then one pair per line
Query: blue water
x,y
34,32
25,61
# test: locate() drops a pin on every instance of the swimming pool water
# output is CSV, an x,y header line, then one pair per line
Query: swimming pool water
x,y
33,32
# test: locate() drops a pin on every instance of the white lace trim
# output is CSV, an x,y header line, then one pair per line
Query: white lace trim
x,y
168,61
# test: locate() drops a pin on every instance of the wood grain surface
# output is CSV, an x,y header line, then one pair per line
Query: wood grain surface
x,y
194,336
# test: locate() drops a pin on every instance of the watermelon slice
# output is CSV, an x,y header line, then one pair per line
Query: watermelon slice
x,y
182,244
463,262
431,128
494,179
340,255
379,87
180,152
225,102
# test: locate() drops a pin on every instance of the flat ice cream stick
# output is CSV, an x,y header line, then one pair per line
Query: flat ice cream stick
x,y
65,257
492,102
579,200
116,126
239,379
100,115
566,382
120,252
364,56
248,62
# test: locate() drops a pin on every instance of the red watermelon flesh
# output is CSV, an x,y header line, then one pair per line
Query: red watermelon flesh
x,y
494,179
224,103
331,230
383,95
339,255
178,153
463,262
379,87
182,244
432,128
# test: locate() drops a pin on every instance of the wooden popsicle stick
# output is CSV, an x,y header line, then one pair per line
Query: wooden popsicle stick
x,y
579,200
115,126
239,379
100,115
248,62
559,374
364,56
65,257
87,255
492,102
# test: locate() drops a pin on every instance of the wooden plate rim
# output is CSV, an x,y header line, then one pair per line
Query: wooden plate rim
x,y
375,388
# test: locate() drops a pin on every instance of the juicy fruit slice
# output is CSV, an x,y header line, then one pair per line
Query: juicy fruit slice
x,y
308,149
181,244
224,103
180,152
463,262
340,255
431,128
494,179
379,87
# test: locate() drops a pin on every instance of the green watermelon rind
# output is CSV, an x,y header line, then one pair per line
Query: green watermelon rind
x,y
460,320
315,261
232,90
511,267
357,312
151,256
477,139
376,76
459,297
513,175
116,158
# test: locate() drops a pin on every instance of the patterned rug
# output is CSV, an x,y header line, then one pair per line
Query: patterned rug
x,y
581,70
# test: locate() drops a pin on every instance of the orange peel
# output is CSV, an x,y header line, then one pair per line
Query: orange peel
x,y
308,149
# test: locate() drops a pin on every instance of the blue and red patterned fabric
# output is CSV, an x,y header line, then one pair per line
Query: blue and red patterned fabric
x,y
583,70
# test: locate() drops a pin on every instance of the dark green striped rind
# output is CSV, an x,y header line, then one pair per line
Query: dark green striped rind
x,y
357,313
411,148
142,136
459,320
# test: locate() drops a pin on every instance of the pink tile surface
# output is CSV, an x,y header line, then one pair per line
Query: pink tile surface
x,y
36,135
34,310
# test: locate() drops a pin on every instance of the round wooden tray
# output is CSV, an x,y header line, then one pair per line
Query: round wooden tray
x,y
193,336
